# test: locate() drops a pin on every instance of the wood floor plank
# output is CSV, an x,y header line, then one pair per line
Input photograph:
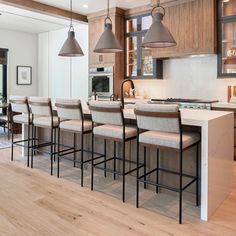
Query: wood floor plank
x,y
34,203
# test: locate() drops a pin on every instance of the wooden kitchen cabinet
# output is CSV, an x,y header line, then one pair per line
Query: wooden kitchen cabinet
x,y
226,39
96,28
234,111
193,25
117,60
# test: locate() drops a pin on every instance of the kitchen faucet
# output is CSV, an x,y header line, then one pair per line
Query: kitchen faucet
x,y
122,90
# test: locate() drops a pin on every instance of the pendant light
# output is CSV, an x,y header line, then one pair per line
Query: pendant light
x,y
108,42
71,47
158,36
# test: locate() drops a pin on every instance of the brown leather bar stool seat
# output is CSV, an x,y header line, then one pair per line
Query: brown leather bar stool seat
x,y
159,126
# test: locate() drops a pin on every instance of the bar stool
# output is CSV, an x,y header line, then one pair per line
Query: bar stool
x,y
42,116
19,104
110,124
71,119
163,130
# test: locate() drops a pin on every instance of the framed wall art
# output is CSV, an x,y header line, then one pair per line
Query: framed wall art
x,y
24,75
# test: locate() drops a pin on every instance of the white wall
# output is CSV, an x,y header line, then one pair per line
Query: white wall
x,y
23,50
188,78
62,77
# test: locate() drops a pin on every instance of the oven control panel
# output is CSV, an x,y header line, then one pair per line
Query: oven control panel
x,y
98,70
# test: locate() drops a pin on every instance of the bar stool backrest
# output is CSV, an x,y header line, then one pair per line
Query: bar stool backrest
x,y
106,112
19,104
40,106
158,117
69,109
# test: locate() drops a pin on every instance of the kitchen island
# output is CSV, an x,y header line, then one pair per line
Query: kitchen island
x,y
217,142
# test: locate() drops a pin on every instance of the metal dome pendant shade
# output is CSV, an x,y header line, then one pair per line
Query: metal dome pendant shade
x,y
71,47
158,36
108,42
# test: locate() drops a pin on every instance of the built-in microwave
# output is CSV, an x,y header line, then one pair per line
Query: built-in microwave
x,y
101,80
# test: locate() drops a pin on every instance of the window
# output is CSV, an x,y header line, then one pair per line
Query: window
x,y
139,61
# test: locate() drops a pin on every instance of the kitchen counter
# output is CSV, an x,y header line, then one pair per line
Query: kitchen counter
x,y
227,105
217,142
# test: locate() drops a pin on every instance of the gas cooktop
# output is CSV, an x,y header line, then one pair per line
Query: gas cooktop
x,y
182,100
186,103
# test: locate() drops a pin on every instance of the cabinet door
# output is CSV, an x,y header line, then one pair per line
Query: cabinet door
x,y
193,26
227,39
96,28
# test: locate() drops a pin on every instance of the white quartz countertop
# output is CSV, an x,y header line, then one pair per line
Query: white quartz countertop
x,y
189,116
224,105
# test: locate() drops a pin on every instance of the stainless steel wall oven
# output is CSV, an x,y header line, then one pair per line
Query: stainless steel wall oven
x,y
101,80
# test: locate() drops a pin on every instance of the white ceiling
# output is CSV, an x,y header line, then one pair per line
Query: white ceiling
x,y
94,5
13,18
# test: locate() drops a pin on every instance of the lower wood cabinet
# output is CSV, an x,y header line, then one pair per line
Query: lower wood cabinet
x,y
232,110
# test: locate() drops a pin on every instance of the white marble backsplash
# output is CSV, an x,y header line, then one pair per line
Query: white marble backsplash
x,y
189,77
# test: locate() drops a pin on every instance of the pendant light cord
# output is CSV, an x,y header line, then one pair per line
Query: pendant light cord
x,y
71,15
108,13
108,9
159,7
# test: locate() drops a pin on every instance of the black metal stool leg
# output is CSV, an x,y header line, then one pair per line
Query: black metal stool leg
x,y
28,146
137,177
12,140
157,173
123,172
35,135
75,142
92,161
197,174
82,160
32,148
114,175
54,144
51,151
180,186
145,169
105,157
58,151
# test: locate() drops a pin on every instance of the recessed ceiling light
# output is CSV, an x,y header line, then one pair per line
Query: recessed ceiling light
x,y
226,0
85,6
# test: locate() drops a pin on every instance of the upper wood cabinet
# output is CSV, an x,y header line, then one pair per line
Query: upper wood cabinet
x,y
193,26
226,39
96,28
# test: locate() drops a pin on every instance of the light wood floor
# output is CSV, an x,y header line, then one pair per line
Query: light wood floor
x,y
34,203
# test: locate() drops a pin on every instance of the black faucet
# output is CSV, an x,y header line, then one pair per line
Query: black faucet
x,y
113,97
122,90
